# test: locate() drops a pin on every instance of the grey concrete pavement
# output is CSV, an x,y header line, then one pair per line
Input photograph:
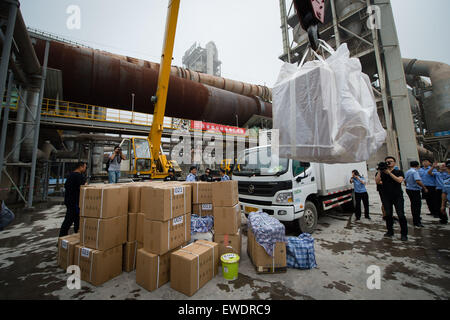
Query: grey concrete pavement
x,y
417,269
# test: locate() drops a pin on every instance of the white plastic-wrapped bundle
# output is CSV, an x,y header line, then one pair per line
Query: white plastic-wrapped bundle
x,y
325,111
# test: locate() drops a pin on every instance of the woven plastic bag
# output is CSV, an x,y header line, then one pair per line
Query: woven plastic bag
x,y
6,216
300,252
267,230
325,110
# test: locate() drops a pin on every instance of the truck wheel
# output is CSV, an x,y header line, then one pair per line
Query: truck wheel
x,y
308,221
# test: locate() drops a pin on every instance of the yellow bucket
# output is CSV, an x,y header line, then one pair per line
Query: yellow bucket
x,y
230,266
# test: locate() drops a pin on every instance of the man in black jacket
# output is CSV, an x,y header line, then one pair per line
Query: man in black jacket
x,y
392,180
72,198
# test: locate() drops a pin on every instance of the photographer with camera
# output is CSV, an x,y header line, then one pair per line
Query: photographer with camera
x,y
392,180
115,158
360,194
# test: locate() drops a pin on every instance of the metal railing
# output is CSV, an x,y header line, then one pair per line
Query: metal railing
x,y
75,110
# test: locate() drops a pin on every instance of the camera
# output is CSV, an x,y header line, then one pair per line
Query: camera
x,y
382,166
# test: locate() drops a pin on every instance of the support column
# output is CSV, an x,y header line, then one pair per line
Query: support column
x,y
37,126
5,123
401,107
6,52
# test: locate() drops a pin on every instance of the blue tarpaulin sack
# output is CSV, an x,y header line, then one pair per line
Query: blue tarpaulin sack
x,y
300,252
6,216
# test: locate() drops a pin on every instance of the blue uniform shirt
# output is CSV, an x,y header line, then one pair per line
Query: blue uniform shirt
x,y
446,188
191,177
428,180
440,177
359,187
225,178
411,176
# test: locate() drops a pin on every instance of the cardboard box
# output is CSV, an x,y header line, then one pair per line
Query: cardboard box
x,y
193,266
98,266
165,202
152,271
66,249
261,260
140,227
201,192
103,201
203,209
132,226
229,243
227,220
162,236
103,234
134,197
225,193
129,255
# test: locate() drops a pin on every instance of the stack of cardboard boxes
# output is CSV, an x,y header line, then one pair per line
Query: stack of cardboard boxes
x,y
135,224
103,231
146,226
167,224
66,250
227,217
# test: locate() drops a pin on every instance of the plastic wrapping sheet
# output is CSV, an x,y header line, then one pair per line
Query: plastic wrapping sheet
x,y
267,230
325,111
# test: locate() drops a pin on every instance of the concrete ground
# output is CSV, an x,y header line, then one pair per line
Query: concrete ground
x,y
417,269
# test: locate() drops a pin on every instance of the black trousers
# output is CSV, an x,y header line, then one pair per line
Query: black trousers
x,y
442,216
390,201
72,217
416,205
433,203
365,199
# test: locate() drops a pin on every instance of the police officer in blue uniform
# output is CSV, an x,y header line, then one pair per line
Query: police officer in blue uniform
x,y
427,173
171,176
192,176
223,175
414,185
445,194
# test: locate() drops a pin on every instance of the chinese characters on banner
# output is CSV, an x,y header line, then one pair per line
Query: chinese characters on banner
x,y
205,126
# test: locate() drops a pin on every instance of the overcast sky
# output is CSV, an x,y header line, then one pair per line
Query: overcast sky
x,y
246,32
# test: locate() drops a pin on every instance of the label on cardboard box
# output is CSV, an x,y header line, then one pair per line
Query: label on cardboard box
x,y
85,252
64,244
178,190
177,221
207,206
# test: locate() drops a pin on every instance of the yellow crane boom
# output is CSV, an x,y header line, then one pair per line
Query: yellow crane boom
x,y
163,84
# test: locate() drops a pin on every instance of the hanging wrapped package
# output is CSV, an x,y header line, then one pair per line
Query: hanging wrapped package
x,y
325,110
266,230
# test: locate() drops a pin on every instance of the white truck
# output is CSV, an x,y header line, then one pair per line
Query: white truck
x,y
292,190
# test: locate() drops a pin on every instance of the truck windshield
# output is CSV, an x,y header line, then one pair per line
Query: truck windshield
x,y
142,148
259,162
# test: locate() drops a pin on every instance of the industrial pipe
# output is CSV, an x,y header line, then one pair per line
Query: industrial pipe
x,y
97,78
438,111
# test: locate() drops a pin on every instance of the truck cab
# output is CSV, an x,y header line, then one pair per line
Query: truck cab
x,y
291,190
